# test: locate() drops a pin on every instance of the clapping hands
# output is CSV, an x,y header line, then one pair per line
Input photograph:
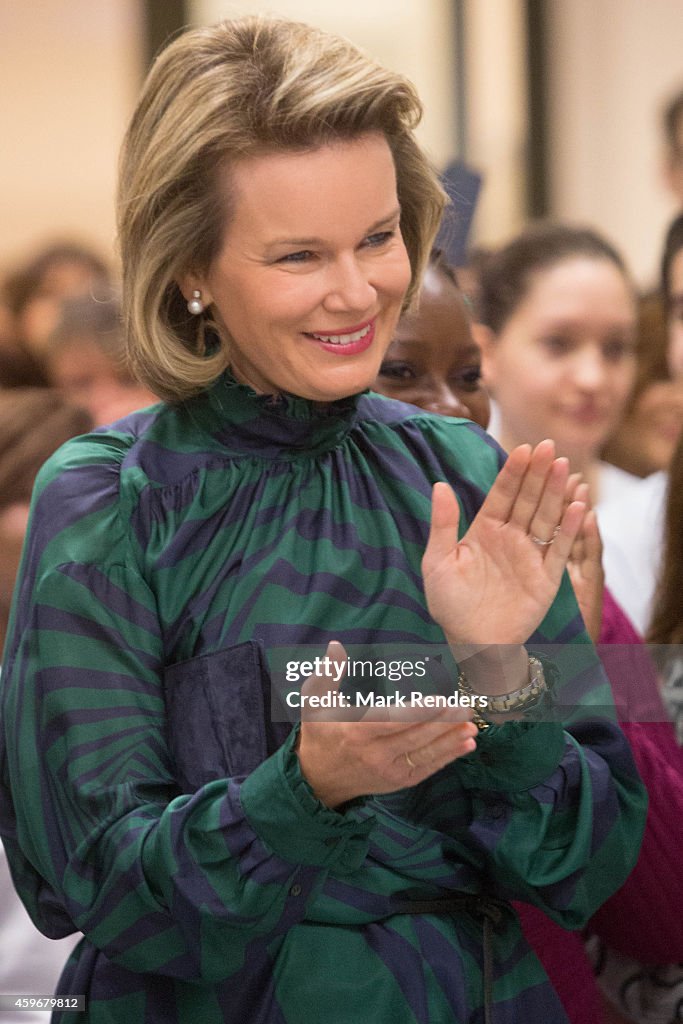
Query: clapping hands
x,y
491,587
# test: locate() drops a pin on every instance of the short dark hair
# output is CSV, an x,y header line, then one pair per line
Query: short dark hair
x,y
506,274
21,284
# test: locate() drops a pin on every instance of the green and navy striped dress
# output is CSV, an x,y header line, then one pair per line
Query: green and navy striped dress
x,y
149,800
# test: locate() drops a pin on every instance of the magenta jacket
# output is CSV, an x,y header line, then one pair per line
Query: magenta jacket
x,y
642,919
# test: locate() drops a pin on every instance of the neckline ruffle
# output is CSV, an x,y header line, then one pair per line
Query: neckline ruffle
x,y
277,425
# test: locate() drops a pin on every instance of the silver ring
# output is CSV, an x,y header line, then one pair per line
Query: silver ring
x,y
544,543
409,760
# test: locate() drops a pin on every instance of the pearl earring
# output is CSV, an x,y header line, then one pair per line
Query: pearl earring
x,y
195,305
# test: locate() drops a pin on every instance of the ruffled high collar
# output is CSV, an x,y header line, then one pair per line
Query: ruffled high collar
x,y
275,425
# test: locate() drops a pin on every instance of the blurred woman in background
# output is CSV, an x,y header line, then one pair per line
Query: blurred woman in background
x,y
650,432
34,291
85,358
559,327
434,361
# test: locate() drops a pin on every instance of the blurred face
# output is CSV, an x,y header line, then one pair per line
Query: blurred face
x,y
95,381
433,361
675,323
312,272
652,428
80,367
62,280
563,364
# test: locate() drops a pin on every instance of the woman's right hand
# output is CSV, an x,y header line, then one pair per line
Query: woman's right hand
x,y
379,752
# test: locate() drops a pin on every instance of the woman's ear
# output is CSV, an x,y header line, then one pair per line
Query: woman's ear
x,y
486,340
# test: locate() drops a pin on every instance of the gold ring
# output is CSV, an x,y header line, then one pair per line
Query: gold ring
x,y
409,760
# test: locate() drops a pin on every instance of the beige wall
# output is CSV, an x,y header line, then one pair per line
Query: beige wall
x,y
69,74
497,134
613,62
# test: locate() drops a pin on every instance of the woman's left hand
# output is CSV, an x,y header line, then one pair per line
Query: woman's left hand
x,y
496,584
585,566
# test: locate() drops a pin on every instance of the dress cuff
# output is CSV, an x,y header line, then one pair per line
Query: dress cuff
x,y
513,756
283,810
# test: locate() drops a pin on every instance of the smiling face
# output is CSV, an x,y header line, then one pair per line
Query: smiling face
x,y
563,364
433,361
311,275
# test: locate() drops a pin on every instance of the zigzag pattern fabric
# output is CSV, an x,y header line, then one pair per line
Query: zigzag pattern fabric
x,y
148,799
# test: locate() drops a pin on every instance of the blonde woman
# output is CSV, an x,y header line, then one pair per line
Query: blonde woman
x,y
276,214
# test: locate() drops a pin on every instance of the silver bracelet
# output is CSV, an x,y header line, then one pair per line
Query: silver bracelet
x,y
520,700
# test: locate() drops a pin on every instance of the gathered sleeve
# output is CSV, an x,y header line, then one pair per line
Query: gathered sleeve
x,y
101,840
553,816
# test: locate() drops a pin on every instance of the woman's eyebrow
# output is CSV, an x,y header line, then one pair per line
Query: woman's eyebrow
x,y
314,240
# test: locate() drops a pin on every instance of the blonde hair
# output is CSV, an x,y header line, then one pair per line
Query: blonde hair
x,y
233,90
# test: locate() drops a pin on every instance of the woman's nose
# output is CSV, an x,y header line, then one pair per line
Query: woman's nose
x,y
445,402
349,288
589,370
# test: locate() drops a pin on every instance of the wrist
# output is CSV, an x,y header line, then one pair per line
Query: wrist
x,y
510,705
326,785
493,669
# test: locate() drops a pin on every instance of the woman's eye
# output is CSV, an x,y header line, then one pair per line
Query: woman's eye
x,y
469,378
397,371
297,257
556,345
617,349
379,239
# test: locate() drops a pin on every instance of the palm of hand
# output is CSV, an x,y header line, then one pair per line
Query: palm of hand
x,y
493,587
496,584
